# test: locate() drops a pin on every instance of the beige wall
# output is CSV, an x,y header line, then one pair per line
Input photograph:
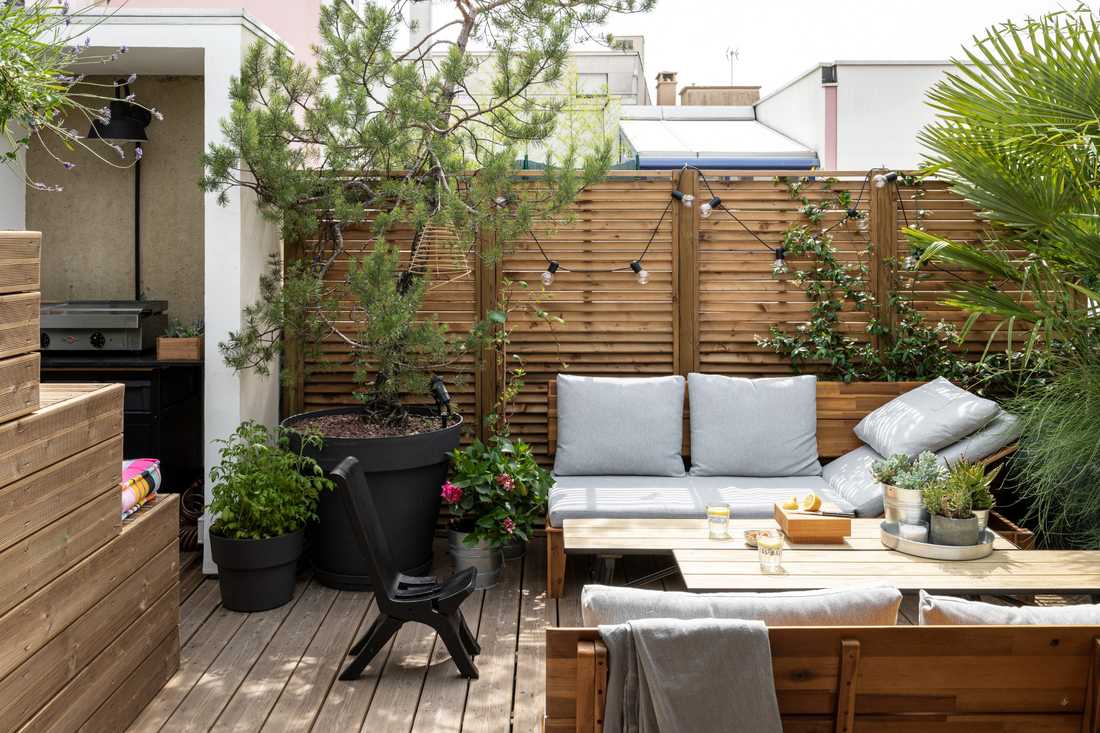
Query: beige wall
x,y
87,229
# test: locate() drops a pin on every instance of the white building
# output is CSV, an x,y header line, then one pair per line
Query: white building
x,y
857,115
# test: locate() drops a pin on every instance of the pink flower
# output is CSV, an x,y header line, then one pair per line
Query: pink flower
x,y
505,481
451,494
509,525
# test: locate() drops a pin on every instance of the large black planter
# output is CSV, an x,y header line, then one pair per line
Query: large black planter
x,y
255,575
405,475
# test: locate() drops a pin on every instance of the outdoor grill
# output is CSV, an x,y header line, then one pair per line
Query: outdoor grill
x,y
102,325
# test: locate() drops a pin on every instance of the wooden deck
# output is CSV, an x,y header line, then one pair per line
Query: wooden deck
x,y
276,670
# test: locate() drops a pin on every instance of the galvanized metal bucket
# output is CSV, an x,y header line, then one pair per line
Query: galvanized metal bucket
x,y
983,519
487,560
903,506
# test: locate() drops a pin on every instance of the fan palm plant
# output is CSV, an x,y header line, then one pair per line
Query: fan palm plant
x,y
1018,135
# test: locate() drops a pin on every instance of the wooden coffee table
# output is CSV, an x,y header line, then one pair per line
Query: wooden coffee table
x,y
717,565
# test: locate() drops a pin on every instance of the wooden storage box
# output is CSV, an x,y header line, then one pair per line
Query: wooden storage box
x,y
179,349
810,529
20,314
20,262
19,386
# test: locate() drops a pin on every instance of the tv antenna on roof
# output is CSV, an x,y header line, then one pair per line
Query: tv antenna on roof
x,y
732,54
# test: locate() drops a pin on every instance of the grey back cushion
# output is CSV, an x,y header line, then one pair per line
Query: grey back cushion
x,y
856,606
753,427
624,427
849,477
930,417
950,611
1004,429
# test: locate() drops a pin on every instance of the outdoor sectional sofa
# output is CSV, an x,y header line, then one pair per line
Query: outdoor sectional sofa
x,y
619,444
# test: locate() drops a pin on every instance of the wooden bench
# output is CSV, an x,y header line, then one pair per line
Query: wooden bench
x,y
887,679
840,407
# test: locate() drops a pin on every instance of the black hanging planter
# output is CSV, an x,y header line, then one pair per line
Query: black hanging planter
x,y
404,474
255,575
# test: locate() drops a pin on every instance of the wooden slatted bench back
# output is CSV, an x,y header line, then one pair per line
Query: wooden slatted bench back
x,y
839,407
883,679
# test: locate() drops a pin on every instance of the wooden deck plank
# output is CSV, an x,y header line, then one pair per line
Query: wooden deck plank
x,y
305,692
261,688
489,703
535,614
443,699
197,608
398,691
221,680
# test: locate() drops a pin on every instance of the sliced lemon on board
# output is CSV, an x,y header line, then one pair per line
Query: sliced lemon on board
x,y
810,503
792,503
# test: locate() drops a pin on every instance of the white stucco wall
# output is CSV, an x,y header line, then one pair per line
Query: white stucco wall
x,y
798,111
880,110
13,193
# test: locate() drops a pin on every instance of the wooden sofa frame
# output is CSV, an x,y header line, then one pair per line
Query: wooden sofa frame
x,y
840,407
885,679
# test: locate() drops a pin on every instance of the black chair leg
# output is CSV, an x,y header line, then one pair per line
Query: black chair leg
x,y
452,637
381,632
358,646
467,636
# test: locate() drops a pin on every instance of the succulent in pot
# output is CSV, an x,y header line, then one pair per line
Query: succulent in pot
x,y
903,481
496,494
264,494
950,505
973,477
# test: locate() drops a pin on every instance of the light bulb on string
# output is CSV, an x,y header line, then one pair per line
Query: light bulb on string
x,y
548,276
779,267
684,198
863,224
708,208
881,179
641,272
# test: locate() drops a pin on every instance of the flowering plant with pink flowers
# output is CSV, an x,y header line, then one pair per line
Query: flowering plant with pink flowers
x,y
497,492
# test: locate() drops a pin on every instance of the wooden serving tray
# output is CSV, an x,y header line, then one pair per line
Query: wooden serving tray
x,y
803,528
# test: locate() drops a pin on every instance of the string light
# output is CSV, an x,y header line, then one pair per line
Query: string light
x,y
882,179
779,267
684,198
706,209
641,272
548,276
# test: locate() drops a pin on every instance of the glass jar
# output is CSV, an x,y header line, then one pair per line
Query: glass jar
x,y
718,521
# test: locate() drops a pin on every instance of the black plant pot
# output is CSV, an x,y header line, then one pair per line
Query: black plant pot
x,y
405,475
255,575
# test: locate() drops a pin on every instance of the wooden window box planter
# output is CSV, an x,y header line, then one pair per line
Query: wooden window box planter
x,y
179,349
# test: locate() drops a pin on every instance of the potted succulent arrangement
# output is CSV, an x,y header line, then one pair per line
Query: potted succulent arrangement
x,y
265,492
950,504
496,494
181,342
903,482
974,478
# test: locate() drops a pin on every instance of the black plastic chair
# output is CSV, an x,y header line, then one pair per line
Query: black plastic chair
x,y
401,597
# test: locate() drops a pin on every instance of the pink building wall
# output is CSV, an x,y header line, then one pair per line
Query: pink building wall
x,y
295,21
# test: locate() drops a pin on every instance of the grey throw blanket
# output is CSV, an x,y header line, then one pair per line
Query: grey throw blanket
x,y
690,676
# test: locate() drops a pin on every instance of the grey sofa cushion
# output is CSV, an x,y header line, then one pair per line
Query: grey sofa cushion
x,y
849,477
929,417
856,606
753,427
624,427
651,497
1004,429
951,611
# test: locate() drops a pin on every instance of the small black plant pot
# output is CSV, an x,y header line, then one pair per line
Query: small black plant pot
x,y
255,575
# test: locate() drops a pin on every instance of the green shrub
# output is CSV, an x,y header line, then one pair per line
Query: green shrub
x,y
262,488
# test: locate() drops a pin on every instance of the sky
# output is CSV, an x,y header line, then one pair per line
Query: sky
x,y
778,40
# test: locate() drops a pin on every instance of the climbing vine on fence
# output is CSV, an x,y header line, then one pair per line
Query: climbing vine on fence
x,y
910,349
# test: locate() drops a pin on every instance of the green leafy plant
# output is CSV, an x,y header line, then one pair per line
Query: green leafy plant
x,y
905,473
39,96
945,499
914,349
179,330
972,477
497,492
263,488
391,140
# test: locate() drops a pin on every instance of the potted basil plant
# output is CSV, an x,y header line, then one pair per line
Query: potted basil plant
x,y
264,495
496,494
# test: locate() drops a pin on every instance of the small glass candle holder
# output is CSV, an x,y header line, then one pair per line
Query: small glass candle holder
x,y
718,521
769,546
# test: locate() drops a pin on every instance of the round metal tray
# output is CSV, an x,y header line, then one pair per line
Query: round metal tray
x,y
890,538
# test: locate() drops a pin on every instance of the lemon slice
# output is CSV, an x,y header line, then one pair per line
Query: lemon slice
x,y
810,502
791,504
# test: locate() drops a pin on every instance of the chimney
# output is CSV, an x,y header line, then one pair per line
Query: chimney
x,y
420,21
666,89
